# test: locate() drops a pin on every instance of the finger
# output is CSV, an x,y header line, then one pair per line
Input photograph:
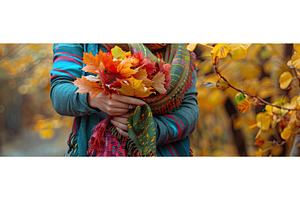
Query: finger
x,y
116,111
122,120
128,100
126,115
117,104
125,134
119,125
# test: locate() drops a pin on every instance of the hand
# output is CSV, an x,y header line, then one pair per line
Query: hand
x,y
121,124
118,105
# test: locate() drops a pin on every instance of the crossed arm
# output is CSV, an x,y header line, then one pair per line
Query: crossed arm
x,y
67,66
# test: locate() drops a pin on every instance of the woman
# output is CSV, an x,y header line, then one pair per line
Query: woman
x,y
172,126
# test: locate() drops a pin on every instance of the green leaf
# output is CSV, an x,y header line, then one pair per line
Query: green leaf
x,y
239,97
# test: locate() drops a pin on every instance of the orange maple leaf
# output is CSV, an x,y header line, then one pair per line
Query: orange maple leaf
x,y
108,62
135,88
124,68
86,86
92,63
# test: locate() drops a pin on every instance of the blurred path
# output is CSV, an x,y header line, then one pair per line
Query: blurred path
x,y
30,144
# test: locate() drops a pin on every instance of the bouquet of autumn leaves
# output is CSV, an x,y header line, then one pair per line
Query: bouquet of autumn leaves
x,y
122,73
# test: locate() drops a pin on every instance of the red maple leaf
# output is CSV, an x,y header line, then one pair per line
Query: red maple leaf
x,y
145,62
165,68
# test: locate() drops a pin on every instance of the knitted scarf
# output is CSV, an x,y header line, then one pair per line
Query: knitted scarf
x,y
141,127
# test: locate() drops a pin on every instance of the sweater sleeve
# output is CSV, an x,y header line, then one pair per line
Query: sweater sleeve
x,y
67,65
177,125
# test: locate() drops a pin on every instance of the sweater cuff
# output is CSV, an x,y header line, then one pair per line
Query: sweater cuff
x,y
86,107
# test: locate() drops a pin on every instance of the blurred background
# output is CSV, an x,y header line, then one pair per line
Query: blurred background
x,y
29,126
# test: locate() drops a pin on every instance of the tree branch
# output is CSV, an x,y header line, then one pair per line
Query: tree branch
x,y
242,91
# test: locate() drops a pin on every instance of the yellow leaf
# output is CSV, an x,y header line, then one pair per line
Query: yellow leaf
x,y
135,88
286,133
296,60
219,51
263,121
244,106
118,53
297,47
258,153
269,109
239,51
191,46
285,79
142,75
298,100
158,83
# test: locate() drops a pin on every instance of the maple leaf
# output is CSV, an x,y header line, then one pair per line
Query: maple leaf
x,y
134,88
158,83
145,62
86,86
92,63
142,75
108,62
165,68
118,53
124,68
92,78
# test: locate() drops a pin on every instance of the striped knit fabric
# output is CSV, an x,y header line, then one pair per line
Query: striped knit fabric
x,y
172,129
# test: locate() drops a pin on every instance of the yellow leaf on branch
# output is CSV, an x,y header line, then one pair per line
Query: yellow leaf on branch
x,y
286,133
285,79
296,59
297,47
239,51
263,121
219,51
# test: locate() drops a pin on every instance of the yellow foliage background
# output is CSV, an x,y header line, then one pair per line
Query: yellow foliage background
x,y
30,126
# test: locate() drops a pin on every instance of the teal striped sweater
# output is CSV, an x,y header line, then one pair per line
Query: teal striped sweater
x,y
172,129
